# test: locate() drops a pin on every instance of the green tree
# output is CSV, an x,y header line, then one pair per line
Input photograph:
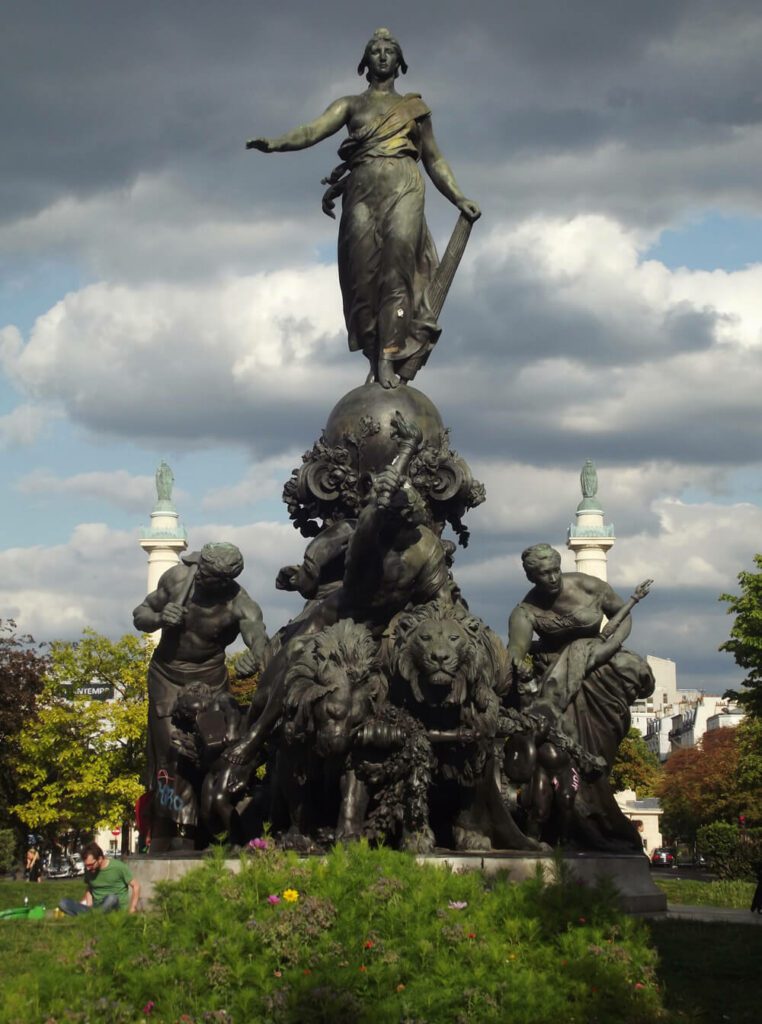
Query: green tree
x,y
635,767
22,667
749,774
717,780
745,643
81,760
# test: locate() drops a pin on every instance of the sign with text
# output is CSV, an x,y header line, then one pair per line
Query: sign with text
x,y
96,691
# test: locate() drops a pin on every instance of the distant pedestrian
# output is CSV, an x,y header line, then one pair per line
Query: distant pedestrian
x,y
33,866
756,900
110,885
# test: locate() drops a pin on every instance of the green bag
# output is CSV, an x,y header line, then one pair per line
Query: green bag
x,y
31,913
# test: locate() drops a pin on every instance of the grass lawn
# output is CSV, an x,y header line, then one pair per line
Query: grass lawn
x,y
708,970
40,893
707,894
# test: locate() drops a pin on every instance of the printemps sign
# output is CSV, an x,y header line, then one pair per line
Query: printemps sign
x,y
95,691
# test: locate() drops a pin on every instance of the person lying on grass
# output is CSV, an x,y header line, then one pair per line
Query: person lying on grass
x,y
110,885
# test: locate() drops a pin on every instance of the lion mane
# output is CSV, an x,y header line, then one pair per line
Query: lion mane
x,y
340,658
443,646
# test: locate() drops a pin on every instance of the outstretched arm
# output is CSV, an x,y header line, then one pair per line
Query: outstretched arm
x,y
619,626
441,174
617,619
306,135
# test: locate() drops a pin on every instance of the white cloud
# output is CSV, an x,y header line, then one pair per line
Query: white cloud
x,y
23,425
593,263
202,360
167,231
98,576
523,499
263,480
702,544
174,361
120,488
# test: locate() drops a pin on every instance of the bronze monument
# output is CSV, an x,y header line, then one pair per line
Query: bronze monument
x,y
385,708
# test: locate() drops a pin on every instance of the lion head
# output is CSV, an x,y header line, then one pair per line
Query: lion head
x,y
333,685
447,657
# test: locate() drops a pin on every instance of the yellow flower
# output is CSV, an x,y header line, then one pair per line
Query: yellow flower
x,y
290,895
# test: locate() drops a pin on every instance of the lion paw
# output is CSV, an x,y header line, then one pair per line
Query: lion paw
x,y
469,841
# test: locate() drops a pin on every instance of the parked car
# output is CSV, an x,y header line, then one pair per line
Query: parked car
x,y
689,857
65,867
663,857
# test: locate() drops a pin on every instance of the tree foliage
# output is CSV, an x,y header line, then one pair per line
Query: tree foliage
x,y
745,643
80,760
22,667
731,851
635,767
717,780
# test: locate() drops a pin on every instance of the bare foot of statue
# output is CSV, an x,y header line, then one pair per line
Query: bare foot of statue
x,y
387,378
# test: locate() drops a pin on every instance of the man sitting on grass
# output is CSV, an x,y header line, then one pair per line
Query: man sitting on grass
x,y
110,885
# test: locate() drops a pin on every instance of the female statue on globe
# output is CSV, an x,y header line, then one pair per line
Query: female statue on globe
x,y
387,259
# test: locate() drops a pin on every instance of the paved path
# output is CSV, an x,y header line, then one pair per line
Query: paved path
x,y
685,912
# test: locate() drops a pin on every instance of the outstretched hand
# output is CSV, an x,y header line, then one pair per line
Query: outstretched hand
x,y
642,590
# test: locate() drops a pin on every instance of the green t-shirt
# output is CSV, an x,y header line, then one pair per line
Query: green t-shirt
x,y
114,878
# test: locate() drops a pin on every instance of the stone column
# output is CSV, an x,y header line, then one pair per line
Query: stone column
x,y
165,539
589,537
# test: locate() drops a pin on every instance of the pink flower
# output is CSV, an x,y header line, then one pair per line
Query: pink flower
x,y
272,899
639,985
457,904
258,844
148,1008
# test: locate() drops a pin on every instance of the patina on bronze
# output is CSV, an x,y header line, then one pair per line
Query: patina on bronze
x,y
385,708
388,270
200,609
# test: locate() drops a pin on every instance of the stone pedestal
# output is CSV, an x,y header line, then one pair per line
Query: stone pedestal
x,y
629,872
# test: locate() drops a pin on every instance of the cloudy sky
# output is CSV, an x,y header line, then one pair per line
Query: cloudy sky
x,y
164,294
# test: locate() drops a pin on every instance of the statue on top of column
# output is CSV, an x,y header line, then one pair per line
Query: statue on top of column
x,y
392,285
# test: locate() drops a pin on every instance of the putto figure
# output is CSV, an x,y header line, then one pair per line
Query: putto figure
x,y
387,259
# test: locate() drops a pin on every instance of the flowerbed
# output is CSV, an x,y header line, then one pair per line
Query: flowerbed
x,y
360,936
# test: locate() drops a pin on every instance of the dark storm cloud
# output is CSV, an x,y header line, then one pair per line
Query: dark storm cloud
x,y
95,93
514,318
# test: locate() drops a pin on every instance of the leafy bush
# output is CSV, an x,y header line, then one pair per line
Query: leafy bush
x,y
731,852
361,936
8,858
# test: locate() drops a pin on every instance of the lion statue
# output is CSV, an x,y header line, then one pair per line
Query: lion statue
x,y
448,669
333,686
